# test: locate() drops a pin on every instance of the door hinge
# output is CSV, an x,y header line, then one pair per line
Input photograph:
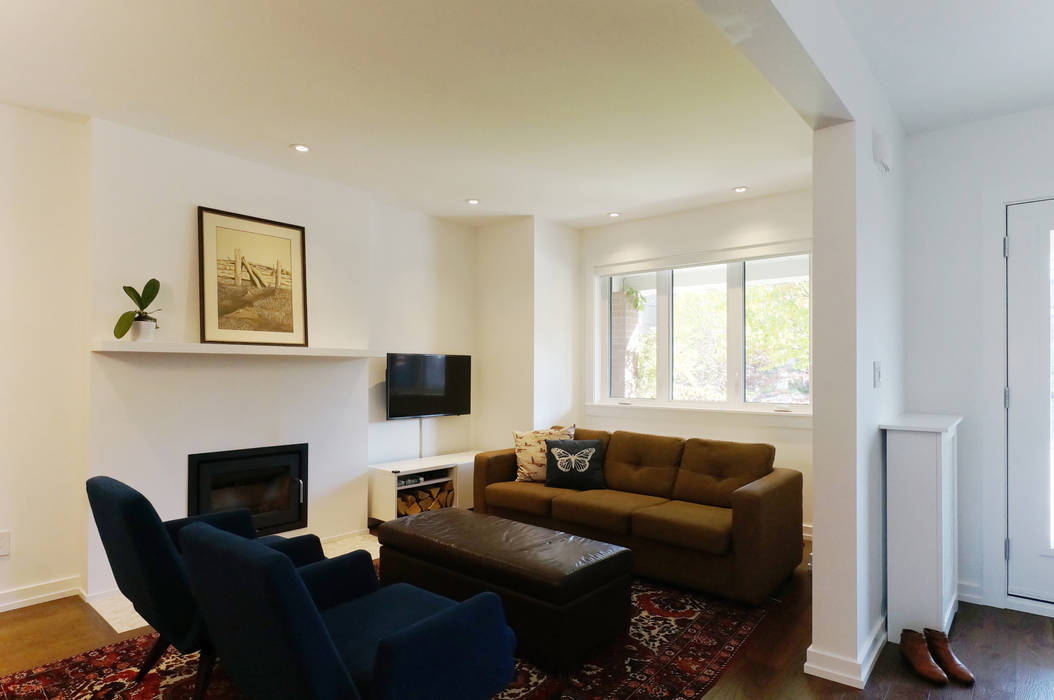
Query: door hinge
x,y
1006,549
1006,246
1006,397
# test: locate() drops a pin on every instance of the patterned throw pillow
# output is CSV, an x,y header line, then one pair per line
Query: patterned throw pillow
x,y
575,464
530,451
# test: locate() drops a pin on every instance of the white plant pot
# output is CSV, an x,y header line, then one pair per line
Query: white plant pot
x,y
142,330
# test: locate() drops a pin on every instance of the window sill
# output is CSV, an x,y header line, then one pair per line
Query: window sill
x,y
797,420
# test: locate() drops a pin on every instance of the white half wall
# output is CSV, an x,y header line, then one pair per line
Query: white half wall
x,y
45,192
757,221
859,245
808,53
959,180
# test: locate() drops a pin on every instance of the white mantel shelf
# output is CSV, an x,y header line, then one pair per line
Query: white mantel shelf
x,y
158,348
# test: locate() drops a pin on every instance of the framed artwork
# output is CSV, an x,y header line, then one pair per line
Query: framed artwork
x,y
253,284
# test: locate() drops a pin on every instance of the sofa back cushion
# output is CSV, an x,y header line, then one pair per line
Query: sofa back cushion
x,y
587,434
641,463
712,469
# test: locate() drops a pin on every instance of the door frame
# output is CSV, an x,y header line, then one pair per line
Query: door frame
x,y
992,588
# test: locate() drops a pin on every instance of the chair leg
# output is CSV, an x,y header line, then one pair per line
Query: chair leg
x,y
206,660
151,658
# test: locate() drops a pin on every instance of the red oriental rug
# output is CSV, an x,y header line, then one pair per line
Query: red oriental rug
x,y
677,646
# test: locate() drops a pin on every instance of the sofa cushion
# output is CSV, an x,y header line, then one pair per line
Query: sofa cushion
x,y
690,525
530,451
603,509
587,434
525,496
575,464
641,463
711,470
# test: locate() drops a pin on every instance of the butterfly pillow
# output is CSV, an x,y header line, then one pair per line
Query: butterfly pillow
x,y
574,464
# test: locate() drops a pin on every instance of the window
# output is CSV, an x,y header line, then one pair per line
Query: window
x,y
776,311
633,323
734,334
700,333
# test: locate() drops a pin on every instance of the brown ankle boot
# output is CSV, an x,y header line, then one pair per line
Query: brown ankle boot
x,y
913,648
942,653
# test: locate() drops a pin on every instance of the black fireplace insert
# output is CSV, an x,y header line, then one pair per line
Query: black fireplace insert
x,y
270,481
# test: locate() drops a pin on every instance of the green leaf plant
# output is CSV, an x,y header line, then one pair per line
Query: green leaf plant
x,y
142,301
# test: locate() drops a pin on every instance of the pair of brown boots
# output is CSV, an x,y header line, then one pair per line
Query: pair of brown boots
x,y
932,658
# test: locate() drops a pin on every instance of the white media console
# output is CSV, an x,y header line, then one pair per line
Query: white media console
x,y
385,480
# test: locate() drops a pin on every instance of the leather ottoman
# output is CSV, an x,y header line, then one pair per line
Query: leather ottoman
x,y
563,594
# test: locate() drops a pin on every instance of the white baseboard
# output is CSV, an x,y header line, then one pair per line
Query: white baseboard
x,y
970,592
842,669
806,532
39,593
353,533
91,597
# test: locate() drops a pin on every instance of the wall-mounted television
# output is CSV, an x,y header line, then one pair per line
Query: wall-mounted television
x,y
428,385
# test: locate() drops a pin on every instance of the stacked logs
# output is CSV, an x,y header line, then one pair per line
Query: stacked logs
x,y
413,501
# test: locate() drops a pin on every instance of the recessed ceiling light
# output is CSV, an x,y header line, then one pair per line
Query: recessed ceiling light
x,y
472,202
614,215
741,189
302,148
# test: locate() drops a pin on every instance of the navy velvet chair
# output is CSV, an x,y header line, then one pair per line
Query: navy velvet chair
x,y
144,555
326,631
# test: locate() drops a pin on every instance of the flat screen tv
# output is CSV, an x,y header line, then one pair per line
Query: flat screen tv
x,y
428,385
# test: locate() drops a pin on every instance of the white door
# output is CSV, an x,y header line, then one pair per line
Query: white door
x,y
1030,306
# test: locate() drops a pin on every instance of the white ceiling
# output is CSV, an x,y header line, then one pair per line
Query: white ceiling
x,y
563,108
943,62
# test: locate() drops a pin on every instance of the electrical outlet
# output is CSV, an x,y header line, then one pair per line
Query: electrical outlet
x,y
5,543
877,372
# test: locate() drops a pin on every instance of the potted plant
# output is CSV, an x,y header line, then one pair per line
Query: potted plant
x,y
139,320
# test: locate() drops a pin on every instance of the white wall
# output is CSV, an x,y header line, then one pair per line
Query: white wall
x,y
503,364
88,206
422,299
148,413
751,222
556,319
45,281
959,180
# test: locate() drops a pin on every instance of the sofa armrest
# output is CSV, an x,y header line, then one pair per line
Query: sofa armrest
x,y
465,651
340,579
238,521
491,468
767,531
303,550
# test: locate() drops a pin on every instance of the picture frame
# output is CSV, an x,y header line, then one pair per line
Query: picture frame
x,y
252,275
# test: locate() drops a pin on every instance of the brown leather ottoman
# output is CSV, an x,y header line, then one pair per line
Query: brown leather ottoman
x,y
564,595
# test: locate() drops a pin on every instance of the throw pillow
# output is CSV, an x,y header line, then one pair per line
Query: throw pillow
x,y
530,451
574,464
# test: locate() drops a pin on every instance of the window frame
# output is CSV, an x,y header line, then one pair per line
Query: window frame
x,y
735,259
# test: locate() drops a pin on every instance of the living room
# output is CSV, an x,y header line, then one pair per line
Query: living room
x,y
509,183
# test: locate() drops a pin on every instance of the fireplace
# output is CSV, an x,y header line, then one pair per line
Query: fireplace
x,y
270,481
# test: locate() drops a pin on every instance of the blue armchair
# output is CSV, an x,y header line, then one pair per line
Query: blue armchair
x,y
144,555
328,632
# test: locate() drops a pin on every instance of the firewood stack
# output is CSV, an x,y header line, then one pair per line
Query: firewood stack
x,y
413,501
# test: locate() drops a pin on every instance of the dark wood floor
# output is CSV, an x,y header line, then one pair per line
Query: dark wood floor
x,y
1011,653
52,631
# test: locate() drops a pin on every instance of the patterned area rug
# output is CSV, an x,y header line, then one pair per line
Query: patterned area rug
x,y
677,646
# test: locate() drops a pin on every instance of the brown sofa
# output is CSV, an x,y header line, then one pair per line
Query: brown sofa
x,y
710,515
